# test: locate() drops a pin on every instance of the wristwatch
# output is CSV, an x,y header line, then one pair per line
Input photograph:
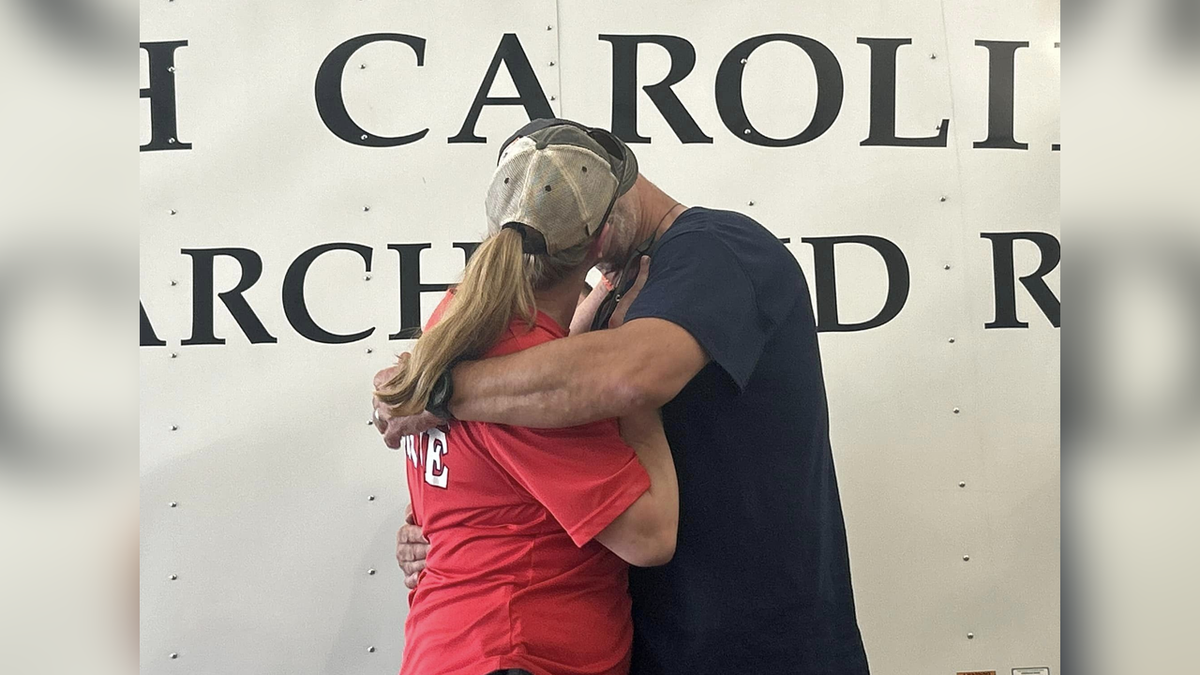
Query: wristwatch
x,y
440,395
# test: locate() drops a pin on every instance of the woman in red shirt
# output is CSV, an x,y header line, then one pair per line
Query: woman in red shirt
x,y
531,531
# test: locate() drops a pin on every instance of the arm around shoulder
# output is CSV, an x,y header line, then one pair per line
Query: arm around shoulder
x,y
580,379
661,357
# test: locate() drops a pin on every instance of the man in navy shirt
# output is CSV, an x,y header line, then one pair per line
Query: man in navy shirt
x,y
719,333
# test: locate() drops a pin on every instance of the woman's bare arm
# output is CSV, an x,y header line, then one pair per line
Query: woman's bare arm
x,y
644,535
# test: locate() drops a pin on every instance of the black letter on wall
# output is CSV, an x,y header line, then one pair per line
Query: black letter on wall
x,y
411,287
332,106
826,282
883,98
1002,76
148,337
202,298
164,134
529,91
830,89
624,87
294,307
1005,274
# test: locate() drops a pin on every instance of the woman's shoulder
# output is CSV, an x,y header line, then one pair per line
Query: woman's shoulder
x,y
520,335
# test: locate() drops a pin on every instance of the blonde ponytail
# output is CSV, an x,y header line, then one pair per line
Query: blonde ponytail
x,y
495,288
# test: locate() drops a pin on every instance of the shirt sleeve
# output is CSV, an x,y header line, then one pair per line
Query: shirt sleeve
x,y
585,476
697,283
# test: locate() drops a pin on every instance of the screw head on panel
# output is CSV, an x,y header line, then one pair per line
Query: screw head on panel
x,y
750,203
362,66
551,63
966,558
933,57
170,69
549,27
171,140
368,350
174,283
173,504
553,97
173,577
370,498
174,427
370,423
370,650
172,212
970,636
174,655
956,411
371,572
951,340
744,61
946,267
366,209
366,277
943,199
962,484
364,137
174,355
746,132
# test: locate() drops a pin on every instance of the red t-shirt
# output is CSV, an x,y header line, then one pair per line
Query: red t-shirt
x,y
514,579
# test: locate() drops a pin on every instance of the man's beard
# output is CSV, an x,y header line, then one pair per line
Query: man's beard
x,y
623,224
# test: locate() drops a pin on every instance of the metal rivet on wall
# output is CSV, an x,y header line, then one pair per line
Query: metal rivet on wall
x,y
962,483
970,636
746,132
171,141
943,199
364,137
956,411
174,355
951,340
174,427
174,283
552,63
173,504
750,203
362,66
553,97
174,655
368,350
744,60
173,577
370,423
370,498
966,558
933,56
946,267
366,277
366,209
370,650
172,212
371,572
549,27
170,69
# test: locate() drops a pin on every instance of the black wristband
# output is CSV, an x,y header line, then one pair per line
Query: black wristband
x,y
440,395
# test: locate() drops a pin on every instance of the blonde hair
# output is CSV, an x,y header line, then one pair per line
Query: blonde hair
x,y
498,284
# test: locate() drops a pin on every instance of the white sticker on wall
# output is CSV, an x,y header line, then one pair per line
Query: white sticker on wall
x,y
1030,671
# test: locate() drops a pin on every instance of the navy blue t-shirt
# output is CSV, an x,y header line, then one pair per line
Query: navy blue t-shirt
x,y
760,581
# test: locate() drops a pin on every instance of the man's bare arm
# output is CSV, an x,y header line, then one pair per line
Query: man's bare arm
x,y
580,379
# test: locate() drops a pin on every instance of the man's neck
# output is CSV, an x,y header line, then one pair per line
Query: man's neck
x,y
659,211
